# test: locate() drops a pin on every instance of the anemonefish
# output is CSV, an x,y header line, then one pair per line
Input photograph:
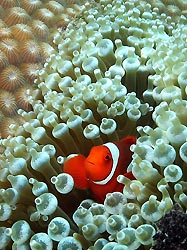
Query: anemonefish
x,y
100,169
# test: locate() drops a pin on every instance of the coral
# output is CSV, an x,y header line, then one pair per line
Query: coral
x,y
16,15
31,51
30,71
3,60
172,231
7,103
45,15
22,32
31,5
23,97
11,78
25,40
6,124
8,3
55,7
46,51
114,70
5,33
11,49
40,29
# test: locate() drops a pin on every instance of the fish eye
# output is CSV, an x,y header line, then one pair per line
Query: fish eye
x,y
107,157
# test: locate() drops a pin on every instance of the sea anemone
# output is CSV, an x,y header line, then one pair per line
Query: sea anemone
x,y
25,40
7,103
11,78
111,64
11,49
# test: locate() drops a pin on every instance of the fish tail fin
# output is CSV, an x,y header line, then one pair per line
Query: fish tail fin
x,y
125,152
75,167
130,176
124,145
128,140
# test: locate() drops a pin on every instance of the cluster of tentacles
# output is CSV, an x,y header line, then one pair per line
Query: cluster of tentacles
x,y
116,68
26,34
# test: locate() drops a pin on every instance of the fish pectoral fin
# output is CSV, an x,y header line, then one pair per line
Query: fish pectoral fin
x,y
75,166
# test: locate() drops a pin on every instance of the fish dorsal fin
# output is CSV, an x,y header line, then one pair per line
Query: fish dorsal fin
x,y
115,156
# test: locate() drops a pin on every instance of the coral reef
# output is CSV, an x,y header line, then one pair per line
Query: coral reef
x,y
116,70
172,230
26,33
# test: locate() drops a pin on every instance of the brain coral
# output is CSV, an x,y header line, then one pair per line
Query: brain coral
x,y
113,73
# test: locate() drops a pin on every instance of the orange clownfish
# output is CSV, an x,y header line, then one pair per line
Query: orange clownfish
x,y
100,169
